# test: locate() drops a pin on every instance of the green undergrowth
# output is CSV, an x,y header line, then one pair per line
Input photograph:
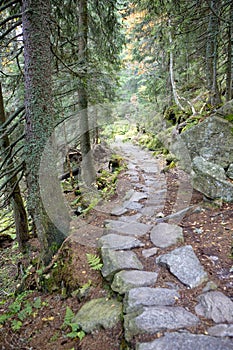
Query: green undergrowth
x,y
20,309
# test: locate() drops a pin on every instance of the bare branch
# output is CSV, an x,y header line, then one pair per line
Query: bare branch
x,y
10,194
10,156
11,118
64,64
10,147
10,18
10,29
13,170
12,176
4,7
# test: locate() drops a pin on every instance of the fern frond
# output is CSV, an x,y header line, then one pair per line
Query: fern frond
x,y
94,262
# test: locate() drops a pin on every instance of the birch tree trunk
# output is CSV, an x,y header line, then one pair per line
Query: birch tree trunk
x,y
171,68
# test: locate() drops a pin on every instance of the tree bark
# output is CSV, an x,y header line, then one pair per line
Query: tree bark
x,y
88,170
39,127
212,55
229,72
171,68
20,214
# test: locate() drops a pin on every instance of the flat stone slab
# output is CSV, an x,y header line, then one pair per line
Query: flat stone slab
x,y
99,313
151,210
164,235
118,211
157,318
147,253
132,205
125,280
184,264
151,169
131,218
216,306
187,341
118,242
127,228
114,261
221,330
137,196
146,296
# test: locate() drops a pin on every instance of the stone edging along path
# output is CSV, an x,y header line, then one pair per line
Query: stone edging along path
x,y
147,308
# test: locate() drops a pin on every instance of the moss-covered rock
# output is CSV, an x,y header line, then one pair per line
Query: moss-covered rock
x,y
99,313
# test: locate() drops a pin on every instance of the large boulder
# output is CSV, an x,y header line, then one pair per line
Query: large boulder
x,y
205,151
210,179
212,139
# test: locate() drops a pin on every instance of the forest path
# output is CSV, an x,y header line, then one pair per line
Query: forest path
x,y
168,302
156,290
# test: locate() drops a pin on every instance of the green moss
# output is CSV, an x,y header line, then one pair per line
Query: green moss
x,y
229,117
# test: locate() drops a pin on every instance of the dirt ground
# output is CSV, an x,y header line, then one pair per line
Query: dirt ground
x,y
209,231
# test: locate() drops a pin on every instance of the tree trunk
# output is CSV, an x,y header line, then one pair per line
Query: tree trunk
x,y
229,73
39,127
171,68
212,55
88,170
20,215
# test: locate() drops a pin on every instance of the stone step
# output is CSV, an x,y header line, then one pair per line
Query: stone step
x,y
156,319
187,341
183,263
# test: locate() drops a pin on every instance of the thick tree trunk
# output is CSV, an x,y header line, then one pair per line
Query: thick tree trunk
x,y
88,170
39,127
20,215
212,55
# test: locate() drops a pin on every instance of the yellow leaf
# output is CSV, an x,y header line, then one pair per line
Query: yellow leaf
x,y
51,318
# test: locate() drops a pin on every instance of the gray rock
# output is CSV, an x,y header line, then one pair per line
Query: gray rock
x,y
209,286
98,313
157,318
226,109
151,169
211,180
132,205
209,168
118,211
216,306
118,242
230,172
221,330
184,264
125,280
176,218
164,235
127,228
146,296
147,253
186,341
148,211
211,139
131,218
114,261
137,196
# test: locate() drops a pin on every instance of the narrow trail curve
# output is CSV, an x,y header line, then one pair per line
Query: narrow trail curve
x,y
137,247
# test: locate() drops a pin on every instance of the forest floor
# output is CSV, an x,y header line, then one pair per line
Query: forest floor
x,y
209,232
